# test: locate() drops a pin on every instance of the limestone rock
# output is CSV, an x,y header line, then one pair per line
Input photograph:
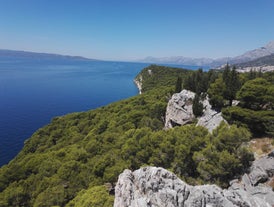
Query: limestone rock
x,y
152,186
179,109
179,112
138,81
261,171
210,119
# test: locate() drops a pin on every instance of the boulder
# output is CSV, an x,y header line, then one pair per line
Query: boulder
x,y
261,170
179,112
179,109
152,186
210,119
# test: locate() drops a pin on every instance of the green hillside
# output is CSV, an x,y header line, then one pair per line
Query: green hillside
x,y
70,161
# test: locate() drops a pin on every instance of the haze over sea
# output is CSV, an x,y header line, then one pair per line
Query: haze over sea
x,y
33,91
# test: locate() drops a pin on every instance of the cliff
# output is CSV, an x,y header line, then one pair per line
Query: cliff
x,y
138,81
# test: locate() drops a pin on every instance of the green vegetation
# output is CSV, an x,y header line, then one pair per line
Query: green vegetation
x,y
256,107
232,83
156,76
68,162
197,106
199,81
178,87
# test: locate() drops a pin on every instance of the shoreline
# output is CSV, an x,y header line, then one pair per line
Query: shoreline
x,y
138,83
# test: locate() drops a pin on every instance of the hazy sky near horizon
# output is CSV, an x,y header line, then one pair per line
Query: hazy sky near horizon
x,y
134,29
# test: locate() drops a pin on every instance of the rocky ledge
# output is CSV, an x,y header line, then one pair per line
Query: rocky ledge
x,y
153,187
179,112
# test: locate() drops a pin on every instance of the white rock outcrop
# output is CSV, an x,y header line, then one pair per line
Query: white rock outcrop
x,y
256,181
179,112
153,187
138,81
210,119
179,109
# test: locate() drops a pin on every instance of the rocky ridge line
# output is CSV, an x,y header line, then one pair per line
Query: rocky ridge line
x,y
153,186
266,50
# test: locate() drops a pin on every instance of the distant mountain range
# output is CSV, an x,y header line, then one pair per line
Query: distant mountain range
x,y
246,57
262,61
35,55
258,57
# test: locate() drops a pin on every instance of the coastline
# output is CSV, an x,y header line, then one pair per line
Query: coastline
x,y
139,83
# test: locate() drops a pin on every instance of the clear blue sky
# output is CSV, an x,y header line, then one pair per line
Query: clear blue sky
x,y
133,29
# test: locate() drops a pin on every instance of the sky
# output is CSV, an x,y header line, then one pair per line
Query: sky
x,y
135,29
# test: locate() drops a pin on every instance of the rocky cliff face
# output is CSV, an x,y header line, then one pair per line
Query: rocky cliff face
x,y
179,112
138,81
152,186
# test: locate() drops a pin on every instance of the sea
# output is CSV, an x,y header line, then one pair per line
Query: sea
x,y
33,91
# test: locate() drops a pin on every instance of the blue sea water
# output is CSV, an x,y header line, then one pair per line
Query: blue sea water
x,y
32,92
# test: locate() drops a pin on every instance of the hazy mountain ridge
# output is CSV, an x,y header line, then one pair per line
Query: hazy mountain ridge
x,y
180,60
266,50
25,54
262,61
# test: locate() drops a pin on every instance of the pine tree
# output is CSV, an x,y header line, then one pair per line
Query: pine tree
x,y
232,83
178,86
197,107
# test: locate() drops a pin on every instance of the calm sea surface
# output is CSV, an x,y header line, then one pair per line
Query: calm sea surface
x,y
32,92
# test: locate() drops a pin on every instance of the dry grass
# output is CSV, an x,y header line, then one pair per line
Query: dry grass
x,y
261,146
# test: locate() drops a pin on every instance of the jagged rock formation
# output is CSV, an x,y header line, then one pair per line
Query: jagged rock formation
x,y
211,119
179,109
152,186
179,112
255,182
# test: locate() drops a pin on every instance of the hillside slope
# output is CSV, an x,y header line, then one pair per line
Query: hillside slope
x,y
70,161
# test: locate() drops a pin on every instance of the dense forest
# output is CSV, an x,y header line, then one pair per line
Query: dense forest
x,y
76,159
